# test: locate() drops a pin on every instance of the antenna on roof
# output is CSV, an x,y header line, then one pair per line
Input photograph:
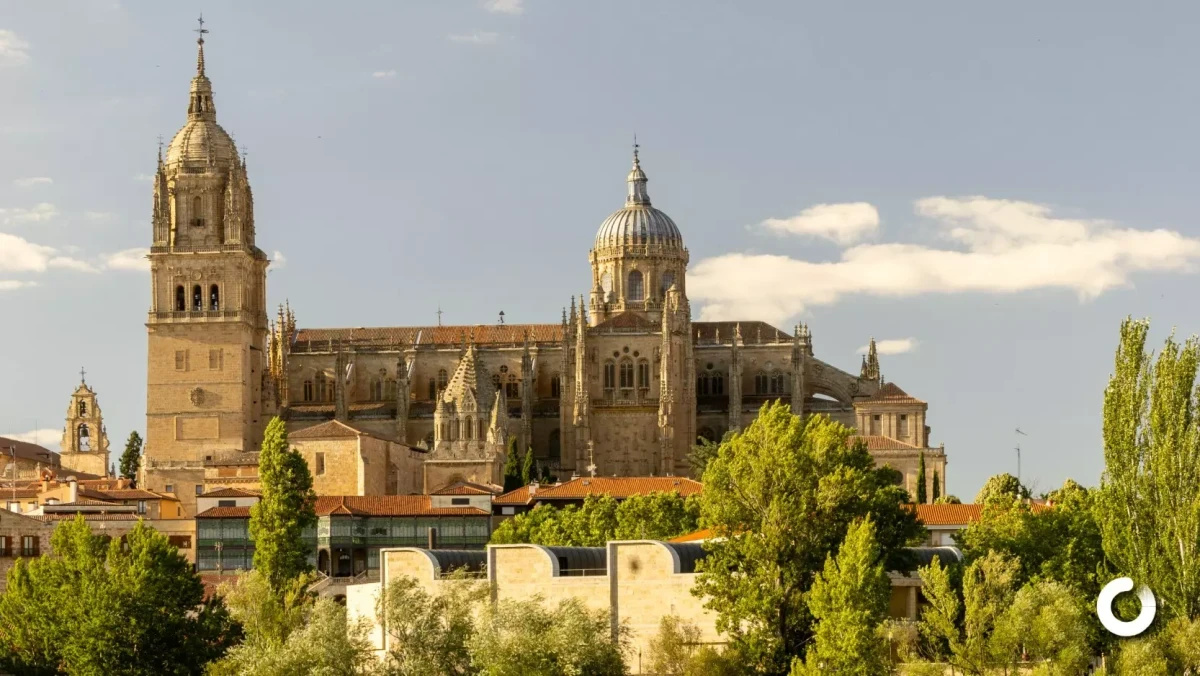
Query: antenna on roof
x,y
1021,434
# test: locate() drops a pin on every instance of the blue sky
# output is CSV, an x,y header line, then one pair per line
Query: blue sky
x,y
990,187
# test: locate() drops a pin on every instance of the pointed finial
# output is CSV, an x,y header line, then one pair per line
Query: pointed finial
x,y
82,376
201,31
160,147
635,150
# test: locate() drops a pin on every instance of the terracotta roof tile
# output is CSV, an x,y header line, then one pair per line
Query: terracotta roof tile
x,y
388,505
618,487
693,537
519,496
891,393
28,451
92,516
469,488
948,515
877,442
225,513
130,494
231,493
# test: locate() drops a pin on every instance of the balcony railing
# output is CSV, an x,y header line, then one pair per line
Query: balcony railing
x,y
199,314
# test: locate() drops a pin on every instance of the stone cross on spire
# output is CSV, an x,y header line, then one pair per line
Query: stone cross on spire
x,y
201,31
82,375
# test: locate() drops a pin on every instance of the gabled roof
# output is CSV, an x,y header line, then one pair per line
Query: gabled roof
x,y
225,513
519,496
618,487
231,493
876,442
628,320
698,536
126,494
360,505
334,429
891,393
28,451
469,488
948,515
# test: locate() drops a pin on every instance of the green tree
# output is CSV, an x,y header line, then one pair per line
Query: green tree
x,y
849,601
429,633
937,488
278,519
131,606
1001,487
922,495
528,468
518,638
291,632
703,451
1148,504
677,650
779,498
512,467
132,457
948,500
988,590
656,516
1049,622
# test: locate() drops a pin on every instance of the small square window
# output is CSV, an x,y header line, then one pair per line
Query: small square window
x,y
180,360
877,417
199,489
320,464
169,488
227,503
460,501
141,507
903,417
214,359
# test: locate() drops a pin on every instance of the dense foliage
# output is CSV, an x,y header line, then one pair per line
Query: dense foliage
x,y
1001,488
278,519
130,606
657,516
779,498
131,459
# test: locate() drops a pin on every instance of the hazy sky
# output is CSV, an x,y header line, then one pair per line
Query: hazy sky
x,y
989,188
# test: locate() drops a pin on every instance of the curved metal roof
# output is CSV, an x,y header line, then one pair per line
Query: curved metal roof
x,y
449,560
580,558
689,553
925,555
639,222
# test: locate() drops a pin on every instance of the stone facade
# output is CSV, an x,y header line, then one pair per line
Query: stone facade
x,y
346,460
622,385
21,536
85,440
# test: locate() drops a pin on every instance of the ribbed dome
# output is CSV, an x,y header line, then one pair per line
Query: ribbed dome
x,y
198,141
638,222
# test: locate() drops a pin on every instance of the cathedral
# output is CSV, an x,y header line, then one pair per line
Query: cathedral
x,y
623,383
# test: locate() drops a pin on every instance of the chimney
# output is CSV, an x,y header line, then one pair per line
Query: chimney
x,y
74,490
533,488
432,538
45,483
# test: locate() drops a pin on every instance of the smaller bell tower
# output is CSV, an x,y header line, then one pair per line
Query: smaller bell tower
x,y
85,441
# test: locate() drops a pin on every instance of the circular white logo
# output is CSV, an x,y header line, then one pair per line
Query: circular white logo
x,y
1104,606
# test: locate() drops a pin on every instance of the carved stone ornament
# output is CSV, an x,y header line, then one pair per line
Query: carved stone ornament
x,y
197,396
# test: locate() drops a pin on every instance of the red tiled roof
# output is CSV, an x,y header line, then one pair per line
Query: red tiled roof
x,y
948,515
10,494
891,393
519,496
127,494
693,537
231,493
88,502
92,516
396,336
225,513
28,451
618,487
877,442
387,505
469,488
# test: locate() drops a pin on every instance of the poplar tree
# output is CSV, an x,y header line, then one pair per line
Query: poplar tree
x,y
132,457
921,493
512,468
528,468
278,519
1148,503
937,487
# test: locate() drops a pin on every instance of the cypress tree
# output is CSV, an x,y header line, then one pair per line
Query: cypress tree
x,y
937,487
512,468
528,468
921,494
278,519
132,457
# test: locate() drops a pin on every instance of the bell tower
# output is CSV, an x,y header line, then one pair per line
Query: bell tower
x,y
208,320
85,441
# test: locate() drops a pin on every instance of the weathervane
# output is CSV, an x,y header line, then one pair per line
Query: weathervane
x,y
201,30
82,375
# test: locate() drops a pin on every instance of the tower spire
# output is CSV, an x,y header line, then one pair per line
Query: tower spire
x,y
201,31
637,195
200,103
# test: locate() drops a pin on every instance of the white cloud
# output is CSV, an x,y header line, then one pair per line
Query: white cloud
x,y
20,255
1005,246
893,346
32,181
129,259
842,223
68,263
13,284
40,213
505,6
278,260
13,50
477,38
383,74
46,437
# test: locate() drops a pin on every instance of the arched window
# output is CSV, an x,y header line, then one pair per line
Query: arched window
x,y
389,388
376,389
197,299
626,374
760,383
555,386
718,383
468,429
443,379
637,288
180,299
82,409
85,442
610,375
643,374
702,385
322,386
496,380
214,298
308,390
512,389
555,445
668,279
432,389
197,212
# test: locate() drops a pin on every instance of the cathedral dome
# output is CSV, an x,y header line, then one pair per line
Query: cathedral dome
x,y
638,222
200,140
